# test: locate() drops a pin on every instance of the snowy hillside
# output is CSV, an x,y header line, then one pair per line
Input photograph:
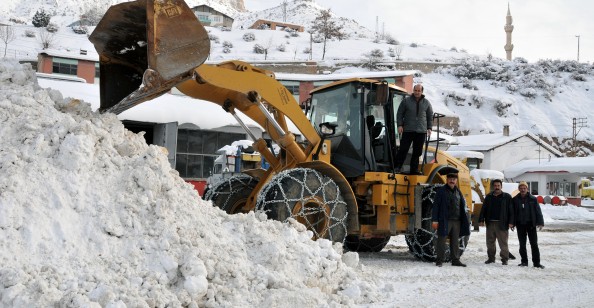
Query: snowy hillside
x,y
301,13
65,12
542,97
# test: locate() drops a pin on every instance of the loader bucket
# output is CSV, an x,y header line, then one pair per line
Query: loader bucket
x,y
145,48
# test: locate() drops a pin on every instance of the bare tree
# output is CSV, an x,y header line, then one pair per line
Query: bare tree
x,y
6,35
46,38
267,48
326,28
398,51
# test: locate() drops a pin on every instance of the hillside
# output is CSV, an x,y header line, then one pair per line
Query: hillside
x,y
541,97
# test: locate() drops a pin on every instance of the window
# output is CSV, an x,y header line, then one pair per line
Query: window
x,y
196,151
64,66
533,188
293,87
567,189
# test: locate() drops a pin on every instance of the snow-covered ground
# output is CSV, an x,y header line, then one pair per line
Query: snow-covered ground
x,y
91,216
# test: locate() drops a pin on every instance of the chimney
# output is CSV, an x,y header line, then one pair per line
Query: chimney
x,y
506,130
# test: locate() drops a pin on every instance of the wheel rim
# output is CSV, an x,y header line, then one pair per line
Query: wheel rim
x,y
314,214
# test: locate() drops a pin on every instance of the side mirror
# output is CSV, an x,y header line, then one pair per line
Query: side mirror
x,y
381,95
328,129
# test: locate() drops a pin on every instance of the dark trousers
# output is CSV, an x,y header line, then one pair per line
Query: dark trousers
x,y
417,140
454,233
495,232
530,232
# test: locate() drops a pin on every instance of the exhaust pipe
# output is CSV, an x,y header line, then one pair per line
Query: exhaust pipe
x,y
145,48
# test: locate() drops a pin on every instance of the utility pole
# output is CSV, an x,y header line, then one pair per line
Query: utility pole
x,y
578,124
285,11
578,57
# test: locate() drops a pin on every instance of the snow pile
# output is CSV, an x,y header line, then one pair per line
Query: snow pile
x,y
91,216
552,213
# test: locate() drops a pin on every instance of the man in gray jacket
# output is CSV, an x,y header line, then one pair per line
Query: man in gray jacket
x,y
414,119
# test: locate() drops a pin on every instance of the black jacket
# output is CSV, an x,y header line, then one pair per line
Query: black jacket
x,y
506,211
527,211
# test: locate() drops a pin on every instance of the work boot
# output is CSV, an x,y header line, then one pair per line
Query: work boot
x,y
504,262
489,261
438,263
523,264
398,170
458,263
539,266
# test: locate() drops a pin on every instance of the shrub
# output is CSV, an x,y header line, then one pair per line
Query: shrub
x,y
577,76
249,37
281,48
501,108
52,28
80,29
226,50
227,44
414,45
29,33
41,19
259,49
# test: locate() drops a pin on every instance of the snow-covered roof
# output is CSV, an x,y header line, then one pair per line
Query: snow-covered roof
x,y
341,76
488,142
90,56
466,154
577,165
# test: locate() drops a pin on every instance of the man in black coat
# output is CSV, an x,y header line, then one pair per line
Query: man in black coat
x,y
449,219
498,214
528,217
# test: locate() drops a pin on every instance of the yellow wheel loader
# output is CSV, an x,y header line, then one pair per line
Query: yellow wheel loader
x,y
338,180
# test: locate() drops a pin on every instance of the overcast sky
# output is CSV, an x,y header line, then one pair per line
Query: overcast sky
x,y
544,29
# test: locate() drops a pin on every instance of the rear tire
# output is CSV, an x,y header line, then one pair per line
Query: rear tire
x,y
355,243
231,194
422,242
310,198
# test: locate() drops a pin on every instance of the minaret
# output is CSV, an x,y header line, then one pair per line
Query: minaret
x,y
508,32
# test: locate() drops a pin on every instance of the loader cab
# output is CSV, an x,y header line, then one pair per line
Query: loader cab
x,y
364,111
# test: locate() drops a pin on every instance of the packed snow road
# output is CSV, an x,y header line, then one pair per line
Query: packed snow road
x,y
567,280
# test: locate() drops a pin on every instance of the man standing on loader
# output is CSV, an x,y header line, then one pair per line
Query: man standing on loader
x,y
498,214
449,219
415,119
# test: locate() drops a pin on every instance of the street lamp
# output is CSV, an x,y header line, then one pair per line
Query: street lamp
x,y
578,57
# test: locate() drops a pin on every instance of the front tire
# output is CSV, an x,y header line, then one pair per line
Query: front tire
x,y
231,194
376,244
310,198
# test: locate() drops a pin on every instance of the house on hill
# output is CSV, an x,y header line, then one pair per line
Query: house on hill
x,y
209,16
504,149
273,25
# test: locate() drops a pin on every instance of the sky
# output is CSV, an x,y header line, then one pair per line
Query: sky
x,y
91,216
542,29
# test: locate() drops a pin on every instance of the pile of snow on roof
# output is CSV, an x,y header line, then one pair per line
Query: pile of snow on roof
x,y
92,216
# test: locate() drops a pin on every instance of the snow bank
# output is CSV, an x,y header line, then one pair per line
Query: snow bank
x,y
91,216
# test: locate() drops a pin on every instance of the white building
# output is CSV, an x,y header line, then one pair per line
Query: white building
x,y
502,150
554,177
